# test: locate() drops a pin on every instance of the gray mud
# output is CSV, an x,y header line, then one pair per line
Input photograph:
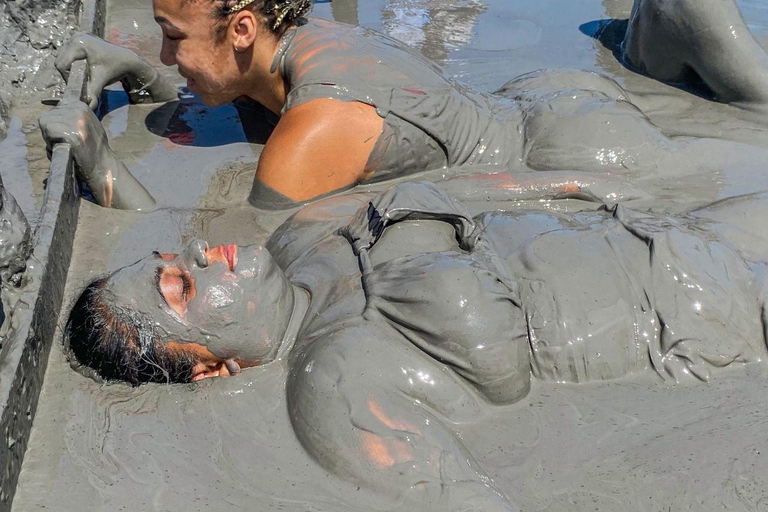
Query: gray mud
x,y
635,444
30,33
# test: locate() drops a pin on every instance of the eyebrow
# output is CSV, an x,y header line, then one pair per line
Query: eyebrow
x,y
161,20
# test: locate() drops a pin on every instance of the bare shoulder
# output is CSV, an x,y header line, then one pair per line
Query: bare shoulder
x,y
318,147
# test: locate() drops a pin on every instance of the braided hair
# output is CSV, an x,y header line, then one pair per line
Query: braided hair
x,y
279,14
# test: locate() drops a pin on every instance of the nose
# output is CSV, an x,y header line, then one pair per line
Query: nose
x,y
167,54
194,254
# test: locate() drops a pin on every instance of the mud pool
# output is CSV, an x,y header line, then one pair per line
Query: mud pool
x,y
227,444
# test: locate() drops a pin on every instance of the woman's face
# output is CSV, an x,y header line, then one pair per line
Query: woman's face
x,y
229,302
190,41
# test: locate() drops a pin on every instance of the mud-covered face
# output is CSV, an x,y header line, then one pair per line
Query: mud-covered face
x,y
190,41
234,302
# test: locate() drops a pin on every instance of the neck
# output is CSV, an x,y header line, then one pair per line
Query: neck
x,y
270,91
300,308
267,84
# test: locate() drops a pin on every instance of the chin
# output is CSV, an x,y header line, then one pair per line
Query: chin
x,y
212,102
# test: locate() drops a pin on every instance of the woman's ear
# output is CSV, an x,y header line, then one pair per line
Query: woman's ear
x,y
244,27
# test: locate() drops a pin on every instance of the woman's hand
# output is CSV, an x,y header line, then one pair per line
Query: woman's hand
x,y
110,181
109,63
76,125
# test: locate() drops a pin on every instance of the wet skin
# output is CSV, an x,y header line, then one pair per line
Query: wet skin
x,y
335,144
683,40
223,66
107,64
110,181
395,347
213,301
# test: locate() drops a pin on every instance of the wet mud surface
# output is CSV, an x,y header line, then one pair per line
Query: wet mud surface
x,y
30,33
227,444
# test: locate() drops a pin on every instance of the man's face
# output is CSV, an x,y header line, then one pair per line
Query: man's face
x,y
225,300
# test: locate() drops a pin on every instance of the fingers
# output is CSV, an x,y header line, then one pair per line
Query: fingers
x,y
54,132
84,47
93,91
97,81
64,124
73,51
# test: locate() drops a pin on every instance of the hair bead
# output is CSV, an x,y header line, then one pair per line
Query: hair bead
x,y
297,8
239,5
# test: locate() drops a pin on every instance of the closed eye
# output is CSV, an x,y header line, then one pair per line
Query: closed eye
x,y
186,287
176,288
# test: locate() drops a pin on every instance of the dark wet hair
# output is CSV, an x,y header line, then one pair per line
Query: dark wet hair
x,y
120,343
278,14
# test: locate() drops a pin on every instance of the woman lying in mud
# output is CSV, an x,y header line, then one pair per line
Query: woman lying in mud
x,y
357,106
401,314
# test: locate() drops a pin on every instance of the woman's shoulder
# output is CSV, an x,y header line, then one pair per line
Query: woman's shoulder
x,y
327,53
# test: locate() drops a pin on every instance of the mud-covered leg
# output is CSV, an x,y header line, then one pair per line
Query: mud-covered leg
x,y
376,412
670,39
584,121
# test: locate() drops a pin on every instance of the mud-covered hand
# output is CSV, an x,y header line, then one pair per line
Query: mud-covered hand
x,y
76,125
111,183
410,200
109,63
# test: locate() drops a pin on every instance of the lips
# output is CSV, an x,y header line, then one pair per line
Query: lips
x,y
230,252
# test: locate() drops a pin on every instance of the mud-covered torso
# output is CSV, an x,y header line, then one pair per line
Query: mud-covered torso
x,y
608,294
429,121
587,296
417,286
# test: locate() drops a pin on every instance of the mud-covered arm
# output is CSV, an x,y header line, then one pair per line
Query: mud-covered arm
x,y
110,181
372,410
109,63
478,185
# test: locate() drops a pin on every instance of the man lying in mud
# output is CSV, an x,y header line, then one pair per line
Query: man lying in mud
x,y
369,108
398,315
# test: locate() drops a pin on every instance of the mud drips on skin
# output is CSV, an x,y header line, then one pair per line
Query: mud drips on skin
x,y
632,443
